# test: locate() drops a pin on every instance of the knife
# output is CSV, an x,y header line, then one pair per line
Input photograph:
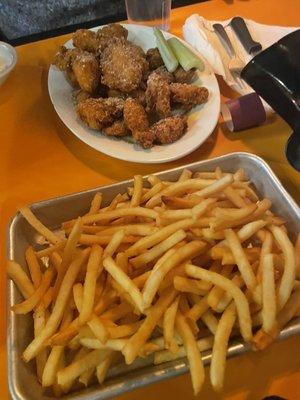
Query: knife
x,y
240,29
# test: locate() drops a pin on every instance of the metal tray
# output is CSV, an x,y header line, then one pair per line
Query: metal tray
x,y
22,380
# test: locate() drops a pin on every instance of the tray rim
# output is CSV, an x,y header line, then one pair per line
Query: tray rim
x,y
235,348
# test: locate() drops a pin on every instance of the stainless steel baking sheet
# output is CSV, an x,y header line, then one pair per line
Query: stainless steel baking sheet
x,y
23,384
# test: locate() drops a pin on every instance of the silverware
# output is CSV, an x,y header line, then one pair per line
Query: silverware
x,y
239,27
235,64
22,380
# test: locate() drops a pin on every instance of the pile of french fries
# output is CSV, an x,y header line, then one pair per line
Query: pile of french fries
x,y
170,268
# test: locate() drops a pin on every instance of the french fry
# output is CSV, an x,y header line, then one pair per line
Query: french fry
x,y
38,226
243,264
121,331
20,278
49,250
114,243
56,354
111,344
89,240
210,321
95,204
157,237
238,296
86,376
287,281
175,203
68,253
185,174
269,294
78,295
234,213
89,287
97,327
261,340
104,365
198,309
75,369
216,293
39,320
215,187
166,355
159,249
120,277
186,252
179,188
133,229
192,352
33,266
134,344
30,303
120,212
37,344
168,326
183,284
219,352
137,191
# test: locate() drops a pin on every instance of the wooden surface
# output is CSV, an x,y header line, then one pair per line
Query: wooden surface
x,y
40,158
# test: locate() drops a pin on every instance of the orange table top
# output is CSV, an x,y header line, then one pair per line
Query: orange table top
x,y
40,158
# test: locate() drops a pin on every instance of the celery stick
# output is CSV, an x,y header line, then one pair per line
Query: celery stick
x,y
166,53
187,59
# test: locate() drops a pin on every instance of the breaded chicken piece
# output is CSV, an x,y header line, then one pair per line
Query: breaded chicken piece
x,y
170,129
111,31
123,65
87,71
118,128
86,40
64,58
81,95
154,58
100,113
145,138
164,73
158,95
188,95
136,120
96,42
182,76
135,115
116,93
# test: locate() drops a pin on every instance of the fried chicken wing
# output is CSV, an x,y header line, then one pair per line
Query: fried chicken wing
x,y
136,120
86,40
87,71
188,95
64,58
145,138
164,73
158,95
154,58
118,128
170,129
123,65
135,115
100,113
182,76
112,31
96,42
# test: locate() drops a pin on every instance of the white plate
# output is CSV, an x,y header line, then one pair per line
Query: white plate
x,y
201,122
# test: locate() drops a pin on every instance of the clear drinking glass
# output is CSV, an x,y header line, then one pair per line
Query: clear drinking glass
x,y
149,12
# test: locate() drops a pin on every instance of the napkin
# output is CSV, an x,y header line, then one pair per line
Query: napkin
x,y
199,33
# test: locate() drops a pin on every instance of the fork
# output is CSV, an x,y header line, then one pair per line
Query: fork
x,y
235,64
